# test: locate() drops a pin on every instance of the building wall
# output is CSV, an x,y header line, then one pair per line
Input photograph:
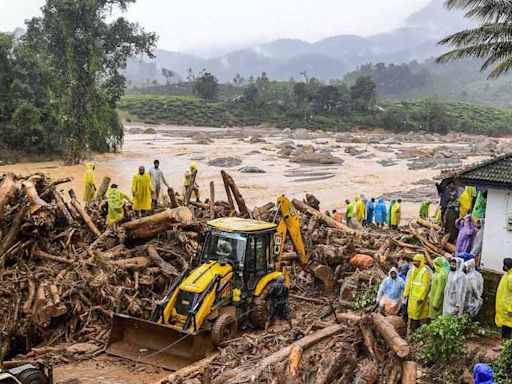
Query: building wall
x,y
497,243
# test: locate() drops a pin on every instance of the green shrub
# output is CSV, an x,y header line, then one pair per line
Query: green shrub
x,y
366,298
503,364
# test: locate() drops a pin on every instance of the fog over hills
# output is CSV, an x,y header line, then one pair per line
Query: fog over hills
x,y
325,59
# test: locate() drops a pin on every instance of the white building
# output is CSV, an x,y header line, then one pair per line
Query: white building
x,y
495,177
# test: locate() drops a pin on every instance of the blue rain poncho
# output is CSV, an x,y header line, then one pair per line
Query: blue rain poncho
x,y
380,211
455,290
370,210
475,289
390,293
483,374
404,269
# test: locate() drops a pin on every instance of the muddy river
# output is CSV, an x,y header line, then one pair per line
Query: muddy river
x,y
177,147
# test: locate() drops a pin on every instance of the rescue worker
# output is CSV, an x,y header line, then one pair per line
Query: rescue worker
x,y
388,218
466,201
349,213
455,290
475,289
451,213
359,210
416,291
480,205
89,183
116,200
436,294
396,214
425,210
141,191
476,247
389,297
380,212
504,301
188,180
466,234
157,178
404,269
370,211
483,374
278,297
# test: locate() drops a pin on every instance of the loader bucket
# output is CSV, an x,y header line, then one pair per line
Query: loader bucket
x,y
155,344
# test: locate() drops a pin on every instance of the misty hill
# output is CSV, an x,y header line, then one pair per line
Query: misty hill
x,y
325,59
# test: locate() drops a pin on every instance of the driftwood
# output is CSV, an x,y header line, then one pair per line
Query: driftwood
x,y
7,190
133,262
172,198
86,218
212,200
11,236
151,226
102,190
393,339
330,222
62,208
33,195
166,268
189,370
409,372
190,188
283,353
229,183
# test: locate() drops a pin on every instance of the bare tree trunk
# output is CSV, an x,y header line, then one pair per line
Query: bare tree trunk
x,y
212,200
7,189
166,268
102,190
87,219
150,226
172,198
228,180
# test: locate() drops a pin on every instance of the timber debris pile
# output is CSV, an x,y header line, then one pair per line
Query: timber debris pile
x,y
63,273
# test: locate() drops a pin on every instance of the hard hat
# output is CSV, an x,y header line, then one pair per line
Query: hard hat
x,y
193,166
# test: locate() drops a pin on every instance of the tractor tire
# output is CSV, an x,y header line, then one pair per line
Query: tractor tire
x,y
223,329
259,308
32,376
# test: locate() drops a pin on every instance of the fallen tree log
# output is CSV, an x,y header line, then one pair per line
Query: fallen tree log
x,y
212,200
166,268
388,332
12,235
7,189
62,208
102,190
409,372
428,224
172,198
330,222
133,262
189,370
47,256
32,194
230,183
304,343
86,218
151,226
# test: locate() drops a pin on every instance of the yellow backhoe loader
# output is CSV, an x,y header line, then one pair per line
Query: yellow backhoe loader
x,y
204,307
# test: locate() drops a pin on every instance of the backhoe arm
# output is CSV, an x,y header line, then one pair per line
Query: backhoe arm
x,y
290,223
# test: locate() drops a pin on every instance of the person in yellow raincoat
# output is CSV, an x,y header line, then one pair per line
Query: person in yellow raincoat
x,y
116,200
187,180
396,214
416,291
141,190
360,210
504,301
89,183
466,201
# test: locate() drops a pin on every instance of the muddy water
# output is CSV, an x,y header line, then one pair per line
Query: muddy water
x,y
175,149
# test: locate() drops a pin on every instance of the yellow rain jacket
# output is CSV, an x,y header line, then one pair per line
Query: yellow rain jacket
x,y
359,209
141,190
416,289
465,200
116,206
396,214
89,188
504,301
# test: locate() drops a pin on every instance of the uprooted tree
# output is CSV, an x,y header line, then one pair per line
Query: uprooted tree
x,y
79,54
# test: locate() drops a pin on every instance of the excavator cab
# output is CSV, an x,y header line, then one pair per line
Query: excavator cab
x,y
203,308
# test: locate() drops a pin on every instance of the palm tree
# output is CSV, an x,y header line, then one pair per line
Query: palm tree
x,y
491,41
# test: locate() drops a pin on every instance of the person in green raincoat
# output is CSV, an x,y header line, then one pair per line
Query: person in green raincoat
x,y
416,291
89,183
116,200
425,209
480,205
436,294
388,218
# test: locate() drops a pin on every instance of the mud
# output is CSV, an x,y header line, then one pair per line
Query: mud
x,y
176,147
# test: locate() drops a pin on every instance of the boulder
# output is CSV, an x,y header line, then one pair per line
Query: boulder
x,y
287,132
202,139
257,139
149,131
388,162
225,162
251,170
135,131
354,151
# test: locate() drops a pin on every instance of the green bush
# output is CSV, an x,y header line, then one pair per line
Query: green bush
x,y
366,298
442,339
503,364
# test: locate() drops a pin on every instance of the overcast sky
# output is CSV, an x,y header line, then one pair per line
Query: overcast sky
x,y
207,27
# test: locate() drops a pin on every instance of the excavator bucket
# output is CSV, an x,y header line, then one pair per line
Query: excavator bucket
x,y
155,344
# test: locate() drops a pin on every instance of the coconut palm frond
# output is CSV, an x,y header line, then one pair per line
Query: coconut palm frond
x,y
501,69
487,33
501,11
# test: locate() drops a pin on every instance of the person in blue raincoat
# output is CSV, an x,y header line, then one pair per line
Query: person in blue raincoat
x,y
370,210
483,374
390,292
404,268
380,212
